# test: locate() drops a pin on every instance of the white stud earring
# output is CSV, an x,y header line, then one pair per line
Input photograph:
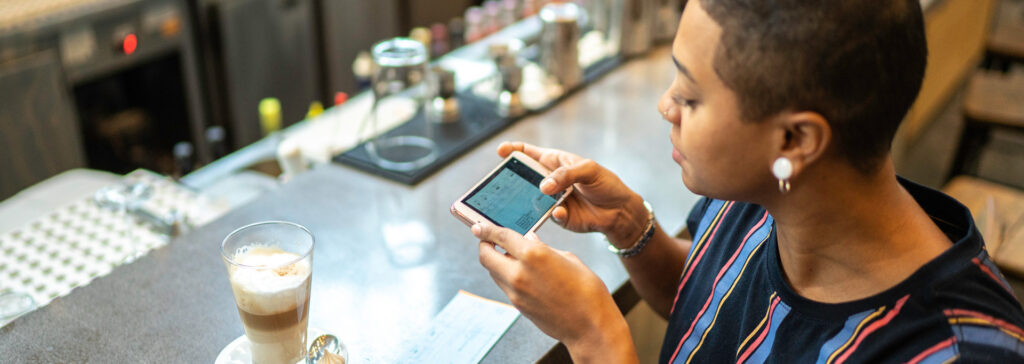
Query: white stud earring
x,y
783,170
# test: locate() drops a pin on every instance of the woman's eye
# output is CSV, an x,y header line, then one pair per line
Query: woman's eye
x,y
688,103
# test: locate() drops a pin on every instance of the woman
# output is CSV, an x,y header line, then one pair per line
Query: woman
x,y
808,247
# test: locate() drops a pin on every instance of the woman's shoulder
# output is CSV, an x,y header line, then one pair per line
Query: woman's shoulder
x,y
976,309
967,315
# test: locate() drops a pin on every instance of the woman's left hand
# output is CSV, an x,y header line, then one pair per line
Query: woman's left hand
x,y
556,291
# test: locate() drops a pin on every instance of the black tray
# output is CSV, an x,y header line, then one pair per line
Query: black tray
x,y
480,121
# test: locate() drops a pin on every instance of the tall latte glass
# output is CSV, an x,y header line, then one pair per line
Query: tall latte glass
x,y
269,265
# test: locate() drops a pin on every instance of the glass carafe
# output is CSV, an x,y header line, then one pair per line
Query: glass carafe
x,y
401,139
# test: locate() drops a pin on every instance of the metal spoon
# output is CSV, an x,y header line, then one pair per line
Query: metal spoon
x,y
324,348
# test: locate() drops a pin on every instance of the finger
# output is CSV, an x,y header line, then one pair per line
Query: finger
x,y
530,150
506,238
585,172
506,148
560,214
504,286
494,261
574,221
532,236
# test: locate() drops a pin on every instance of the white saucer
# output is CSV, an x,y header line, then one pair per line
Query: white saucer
x,y
238,351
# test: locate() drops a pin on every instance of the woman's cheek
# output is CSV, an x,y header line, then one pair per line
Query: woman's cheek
x,y
690,136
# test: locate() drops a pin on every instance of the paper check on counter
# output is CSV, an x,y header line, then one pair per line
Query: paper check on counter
x,y
463,332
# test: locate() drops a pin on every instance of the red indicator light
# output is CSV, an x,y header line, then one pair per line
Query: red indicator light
x,y
129,44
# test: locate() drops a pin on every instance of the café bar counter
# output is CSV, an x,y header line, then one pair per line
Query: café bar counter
x,y
375,287
376,280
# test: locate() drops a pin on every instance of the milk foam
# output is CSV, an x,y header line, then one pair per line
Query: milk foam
x,y
265,291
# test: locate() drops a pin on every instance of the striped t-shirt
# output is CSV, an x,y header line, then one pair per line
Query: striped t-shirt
x,y
733,304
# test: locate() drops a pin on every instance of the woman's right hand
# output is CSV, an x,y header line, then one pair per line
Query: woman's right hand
x,y
601,202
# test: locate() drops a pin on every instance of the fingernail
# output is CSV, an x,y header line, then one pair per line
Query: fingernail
x,y
476,229
547,182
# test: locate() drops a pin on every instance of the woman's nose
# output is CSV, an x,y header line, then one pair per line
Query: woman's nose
x,y
667,111
664,108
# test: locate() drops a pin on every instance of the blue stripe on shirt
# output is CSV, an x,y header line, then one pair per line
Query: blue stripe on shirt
x,y
723,285
842,337
989,336
709,215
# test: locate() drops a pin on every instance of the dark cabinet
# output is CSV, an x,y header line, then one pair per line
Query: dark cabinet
x,y
38,126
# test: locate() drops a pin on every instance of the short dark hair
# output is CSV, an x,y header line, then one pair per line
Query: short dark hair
x,y
859,63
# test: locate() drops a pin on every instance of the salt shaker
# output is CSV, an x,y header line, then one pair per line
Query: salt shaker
x,y
444,108
509,103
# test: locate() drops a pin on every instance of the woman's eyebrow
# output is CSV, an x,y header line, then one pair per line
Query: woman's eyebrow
x,y
683,69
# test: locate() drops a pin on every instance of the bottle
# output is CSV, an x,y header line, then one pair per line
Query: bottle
x,y
182,158
492,17
511,11
270,115
668,14
315,109
474,24
340,98
530,8
422,35
456,33
438,40
215,137
362,69
638,25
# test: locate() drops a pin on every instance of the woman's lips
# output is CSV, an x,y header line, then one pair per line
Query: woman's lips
x,y
676,156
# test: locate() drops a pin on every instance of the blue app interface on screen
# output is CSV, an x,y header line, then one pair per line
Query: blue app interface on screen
x,y
511,197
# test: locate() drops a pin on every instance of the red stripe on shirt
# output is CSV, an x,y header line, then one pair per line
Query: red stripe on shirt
x,y
873,327
997,322
760,338
991,274
932,350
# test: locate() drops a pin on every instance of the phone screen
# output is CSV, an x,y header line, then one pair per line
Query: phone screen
x,y
511,198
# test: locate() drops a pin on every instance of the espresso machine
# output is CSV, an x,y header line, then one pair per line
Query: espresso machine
x,y
110,85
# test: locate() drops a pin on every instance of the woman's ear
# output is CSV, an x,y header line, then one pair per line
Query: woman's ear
x,y
806,136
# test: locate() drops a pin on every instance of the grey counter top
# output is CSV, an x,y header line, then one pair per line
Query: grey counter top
x,y
371,287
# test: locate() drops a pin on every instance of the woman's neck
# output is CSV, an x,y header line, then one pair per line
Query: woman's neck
x,y
844,236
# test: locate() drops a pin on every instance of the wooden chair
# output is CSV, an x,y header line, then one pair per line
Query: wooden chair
x,y
992,101
1005,47
998,213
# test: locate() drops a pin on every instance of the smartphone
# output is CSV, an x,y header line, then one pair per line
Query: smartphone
x,y
510,196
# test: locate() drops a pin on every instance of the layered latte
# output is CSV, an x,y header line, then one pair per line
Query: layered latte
x,y
271,288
